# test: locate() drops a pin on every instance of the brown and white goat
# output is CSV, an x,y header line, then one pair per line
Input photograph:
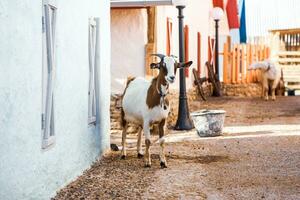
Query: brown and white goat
x,y
145,102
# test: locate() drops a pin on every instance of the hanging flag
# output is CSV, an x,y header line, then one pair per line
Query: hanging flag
x,y
233,20
218,3
243,32
232,14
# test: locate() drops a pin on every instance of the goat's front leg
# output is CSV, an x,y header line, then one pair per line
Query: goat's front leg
x,y
266,88
146,129
124,133
139,144
163,162
262,91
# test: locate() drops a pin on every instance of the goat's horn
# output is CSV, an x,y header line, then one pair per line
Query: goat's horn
x,y
161,56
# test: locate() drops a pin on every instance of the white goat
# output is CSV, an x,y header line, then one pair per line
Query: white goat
x,y
270,72
145,103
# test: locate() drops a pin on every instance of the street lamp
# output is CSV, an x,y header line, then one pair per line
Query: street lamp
x,y
217,13
183,120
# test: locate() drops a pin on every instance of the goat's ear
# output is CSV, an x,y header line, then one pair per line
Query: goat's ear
x,y
183,65
154,65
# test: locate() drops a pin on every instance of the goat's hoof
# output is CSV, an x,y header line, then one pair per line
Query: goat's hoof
x,y
123,157
147,165
163,165
140,155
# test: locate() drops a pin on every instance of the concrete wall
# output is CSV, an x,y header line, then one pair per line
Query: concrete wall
x,y
27,171
129,37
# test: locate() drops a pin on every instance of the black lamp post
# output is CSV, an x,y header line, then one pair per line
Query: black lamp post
x,y
217,14
217,48
183,121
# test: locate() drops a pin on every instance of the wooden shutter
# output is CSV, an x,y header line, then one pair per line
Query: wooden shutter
x,y
49,29
93,76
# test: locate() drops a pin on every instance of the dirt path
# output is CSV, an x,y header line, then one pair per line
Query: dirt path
x,y
248,162
253,111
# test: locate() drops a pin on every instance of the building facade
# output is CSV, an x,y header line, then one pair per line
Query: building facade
x,y
140,28
54,93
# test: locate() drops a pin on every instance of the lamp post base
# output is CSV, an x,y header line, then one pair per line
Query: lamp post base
x,y
184,121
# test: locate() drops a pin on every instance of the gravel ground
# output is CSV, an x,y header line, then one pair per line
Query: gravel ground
x,y
257,158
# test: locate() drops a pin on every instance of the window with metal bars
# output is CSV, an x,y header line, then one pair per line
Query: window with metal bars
x,y
93,76
48,32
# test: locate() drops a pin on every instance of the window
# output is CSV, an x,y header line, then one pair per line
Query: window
x,y
93,77
48,26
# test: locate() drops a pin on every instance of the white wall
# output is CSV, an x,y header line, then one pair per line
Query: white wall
x,y
128,40
27,171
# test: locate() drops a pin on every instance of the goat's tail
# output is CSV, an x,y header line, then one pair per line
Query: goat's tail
x,y
123,121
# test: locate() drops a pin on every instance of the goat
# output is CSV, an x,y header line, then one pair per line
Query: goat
x,y
270,73
145,102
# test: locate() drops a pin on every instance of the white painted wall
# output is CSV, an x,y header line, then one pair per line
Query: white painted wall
x,y
260,19
26,171
129,37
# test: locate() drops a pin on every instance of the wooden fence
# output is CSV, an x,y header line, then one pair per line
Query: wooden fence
x,y
237,59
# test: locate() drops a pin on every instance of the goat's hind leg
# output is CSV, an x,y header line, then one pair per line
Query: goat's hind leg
x,y
163,162
124,133
265,89
139,144
147,156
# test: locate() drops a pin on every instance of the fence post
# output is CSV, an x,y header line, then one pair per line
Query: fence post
x,y
243,63
238,62
255,56
186,44
209,55
225,62
260,53
250,62
168,45
248,56
199,54
233,67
